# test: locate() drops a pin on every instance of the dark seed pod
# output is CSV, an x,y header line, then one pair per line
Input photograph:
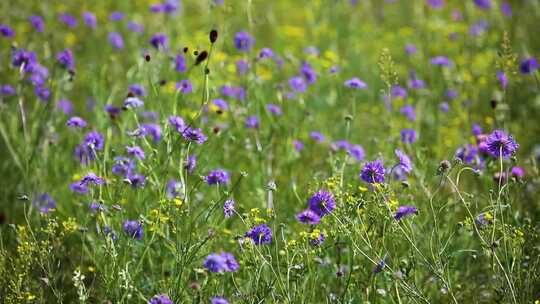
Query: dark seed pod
x,y
147,57
162,82
195,53
130,94
493,103
202,57
207,71
213,36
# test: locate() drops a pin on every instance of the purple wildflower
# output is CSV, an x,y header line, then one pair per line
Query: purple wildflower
x,y
266,53
231,265
308,216
403,211
252,122
444,107
355,83
528,65
441,60
408,111
218,300
133,229
261,234
408,136
217,177
7,90
89,19
65,59
136,152
123,166
357,152
160,299
322,203
154,130
43,93
194,134
298,84
404,161
506,9
274,109
174,189
242,66
44,202
243,41
159,40
116,16
180,63
94,141
317,136
133,102
308,73
137,89
184,86
191,162
228,208
501,144
37,22
373,172
136,180
116,40
483,4
135,27
318,240
76,121
6,31
68,19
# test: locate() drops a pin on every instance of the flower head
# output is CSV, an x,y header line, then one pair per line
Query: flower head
x,y
308,216
160,299
355,83
403,211
404,161
501,144
243,41
322,203
217,177
261,234
228,208
133,229
373,172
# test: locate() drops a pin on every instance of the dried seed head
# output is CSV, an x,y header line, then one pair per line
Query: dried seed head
x,y
213,36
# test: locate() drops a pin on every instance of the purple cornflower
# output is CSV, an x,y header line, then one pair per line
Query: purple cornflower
x,y
21,56
44,202
136,152
242,66
501,144
65,106
178,123
231,265
218,300
68,19
308,73
506,9
221,104
243,41
6,31
7,90
274,109
398,92
228,208
322,203
116,40
308,216
503,80
317,136
159,40
89,19
252,122
373,172
357,152
214,263
440,60
483,4
76,121
266,53
317,241
160,299
136,180
517,172
123,166
180,63
194,134
77,187
65,59
435,3
476,129
112,111
298,145
137,89
528,65
444,107
174,189
404,161
37,22
479,28
43,93
133,102
191,162
355,83
92,178
415,83
408,111
133,228
184,86
217,177
408,136
261,234
94,141
234,92
298,84
340,145
410,49
403,211
154,130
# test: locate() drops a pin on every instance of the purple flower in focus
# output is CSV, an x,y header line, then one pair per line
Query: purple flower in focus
x,y
194,134
373,172
322,203
403,211
160,299
501,144
228,208
261,234
133,229
308,216
217,177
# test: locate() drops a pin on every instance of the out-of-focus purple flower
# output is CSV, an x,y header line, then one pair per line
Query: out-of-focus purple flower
x,y
404,161
194,134
184,86
191,163
403,211
312,51
261,234
90,20
218,300
152,129
398,92
137,89
243,41
252,122
408,136
444,107
357,152
136,180
476,129
231,265
160,299
274,109
478,28
214,263
483,4
221,104
112,110
410,49
68,19
228,208
373,172
116,16
298,145
355,83
308,216
242,66
435,3
503,80
159,40
441,60
76,121
298,84
217,177
44,203
318,240
333,69
317,136
501,144
528,65
92,178
180,63
136,152
340,145
308,73
506,9
134,229
452,94
234,92
6,31
37,22
517,172
43,93
174,189
178,123
135,27
7,90
408,111
133,102
415,83
65,59
123,166
322,203
21,57
116,40
266,53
